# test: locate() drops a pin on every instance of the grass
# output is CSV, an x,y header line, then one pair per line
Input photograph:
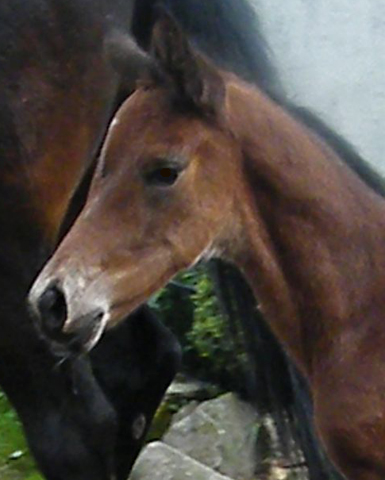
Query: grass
x,y
15,461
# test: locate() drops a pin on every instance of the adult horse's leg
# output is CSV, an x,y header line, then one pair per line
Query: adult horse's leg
x,y
80,427
134,365
69,424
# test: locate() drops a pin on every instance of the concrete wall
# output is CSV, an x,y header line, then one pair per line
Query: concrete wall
x,y
331,57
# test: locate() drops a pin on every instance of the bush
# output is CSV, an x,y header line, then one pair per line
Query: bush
x,y
210,350
15,460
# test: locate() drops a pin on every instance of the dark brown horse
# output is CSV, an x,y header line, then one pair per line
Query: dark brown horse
x,y
198,163
65,65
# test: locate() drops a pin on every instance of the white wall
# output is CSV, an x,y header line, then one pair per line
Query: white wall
x,y
331,57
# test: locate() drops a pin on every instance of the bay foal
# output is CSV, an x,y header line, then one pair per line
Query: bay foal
x,y
198,164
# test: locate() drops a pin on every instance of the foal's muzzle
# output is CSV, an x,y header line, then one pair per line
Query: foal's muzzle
x,y
51,310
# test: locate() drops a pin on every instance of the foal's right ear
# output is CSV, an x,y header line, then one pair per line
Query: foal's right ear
x,y
196,82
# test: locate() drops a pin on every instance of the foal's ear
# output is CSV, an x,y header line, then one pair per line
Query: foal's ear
x,y
197,83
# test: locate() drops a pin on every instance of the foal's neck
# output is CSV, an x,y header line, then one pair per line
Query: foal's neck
x,y
311,229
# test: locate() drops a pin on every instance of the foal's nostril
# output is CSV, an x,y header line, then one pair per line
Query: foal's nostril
x,y
53,309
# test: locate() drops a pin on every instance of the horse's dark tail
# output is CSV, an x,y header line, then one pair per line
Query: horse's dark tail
x,y
228,31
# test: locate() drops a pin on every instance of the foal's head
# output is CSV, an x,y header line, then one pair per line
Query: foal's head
x,y
162,198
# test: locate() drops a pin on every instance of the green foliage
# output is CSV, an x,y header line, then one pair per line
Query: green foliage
x,y
174,305
210,338
15,460
210,349
162,419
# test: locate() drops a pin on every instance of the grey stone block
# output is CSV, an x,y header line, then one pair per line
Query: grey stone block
x,y
221,434
162,462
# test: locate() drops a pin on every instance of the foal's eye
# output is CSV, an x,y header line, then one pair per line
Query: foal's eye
x,y
162,176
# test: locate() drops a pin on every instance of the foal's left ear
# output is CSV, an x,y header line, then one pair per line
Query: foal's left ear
x,y
196,81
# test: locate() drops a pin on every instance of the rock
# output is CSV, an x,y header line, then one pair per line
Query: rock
x,y
187,389
162,462
221,434
198,436
184,412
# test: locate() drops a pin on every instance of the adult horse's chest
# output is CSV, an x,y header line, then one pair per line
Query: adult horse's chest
x,y
59,92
